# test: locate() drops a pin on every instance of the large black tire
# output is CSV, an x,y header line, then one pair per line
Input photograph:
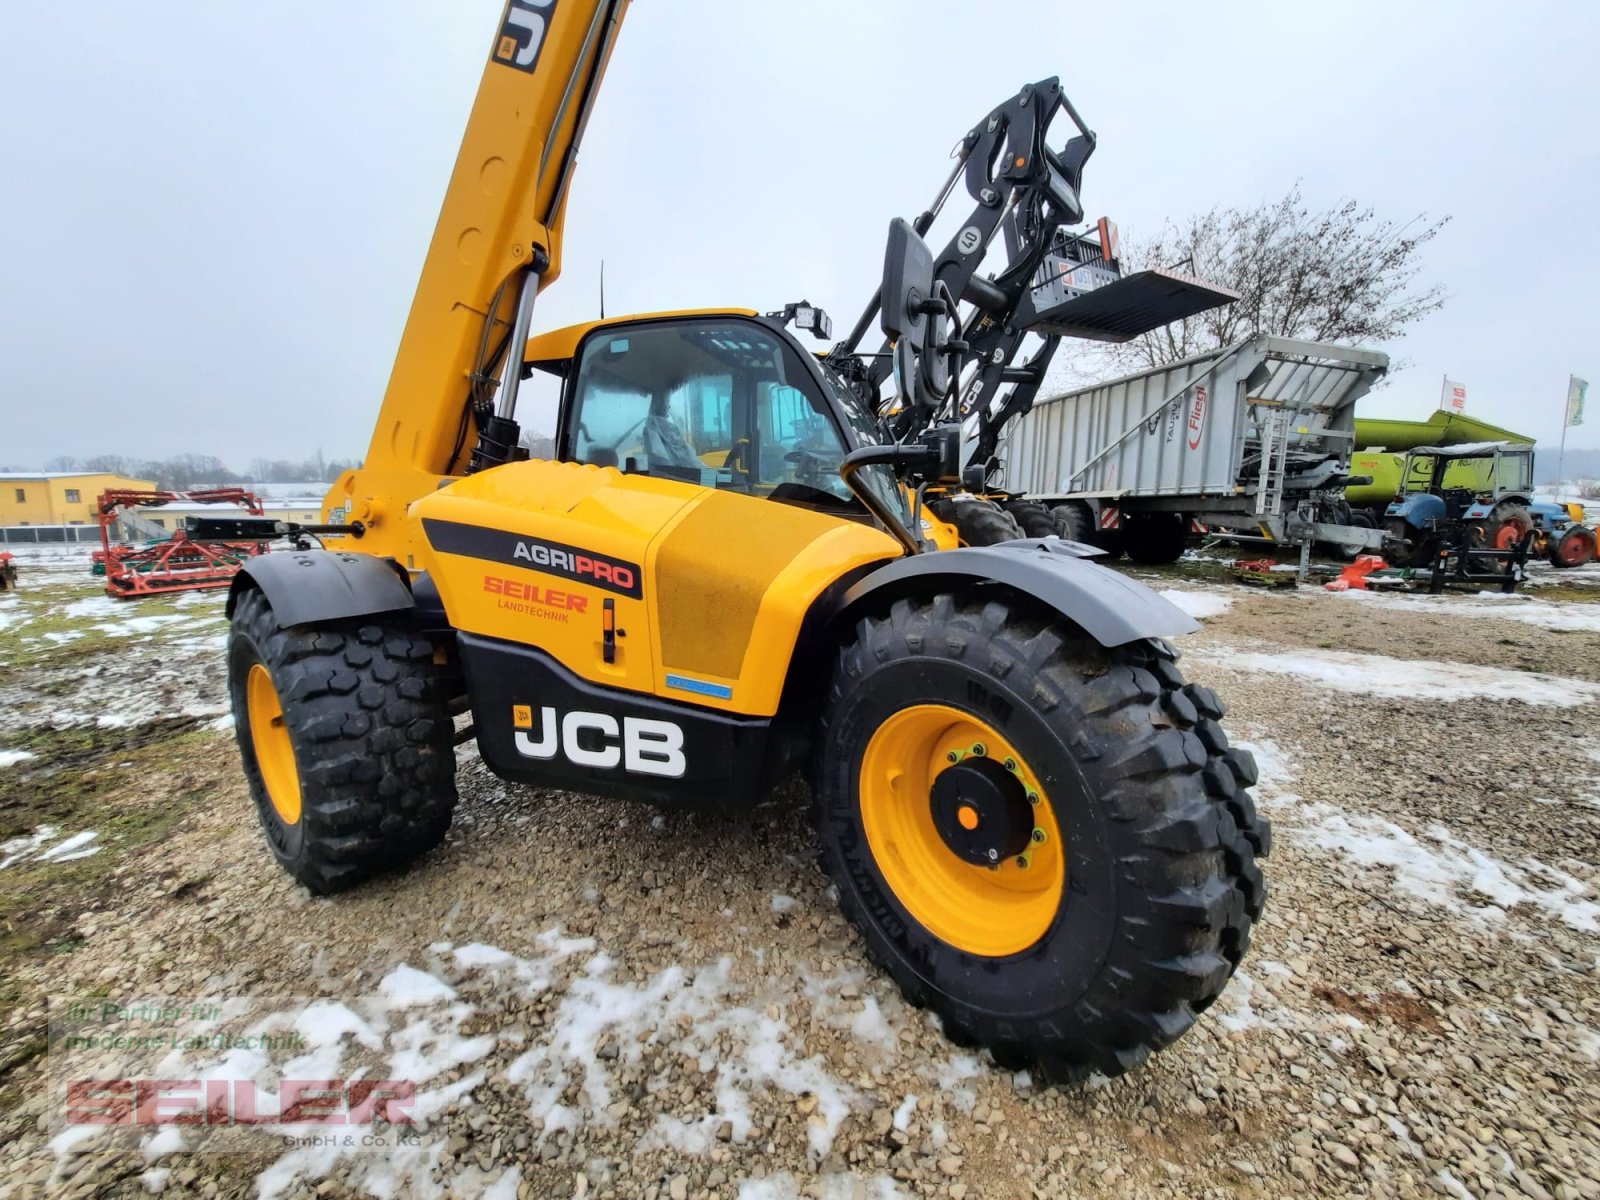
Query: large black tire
x,y
1420,551
1154,538
365,707
1159,835
1075,522
1034,519
978,522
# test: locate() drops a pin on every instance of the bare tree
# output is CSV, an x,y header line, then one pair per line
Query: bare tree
x,y
63,462
110,464
1340,275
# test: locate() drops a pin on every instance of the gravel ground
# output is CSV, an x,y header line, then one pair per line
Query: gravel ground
x,y
626,1002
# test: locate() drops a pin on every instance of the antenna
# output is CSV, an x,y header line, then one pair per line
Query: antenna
x,y
602,289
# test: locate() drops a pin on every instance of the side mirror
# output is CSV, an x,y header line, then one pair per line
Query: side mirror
x,y
907,283
912,316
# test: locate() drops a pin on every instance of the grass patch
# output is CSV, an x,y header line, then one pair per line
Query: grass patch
x,y
131,786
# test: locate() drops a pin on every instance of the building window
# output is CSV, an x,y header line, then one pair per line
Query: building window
x,y
22,495
158,522
72,496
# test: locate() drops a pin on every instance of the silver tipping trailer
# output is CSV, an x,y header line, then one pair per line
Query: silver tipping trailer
x,y
1254,439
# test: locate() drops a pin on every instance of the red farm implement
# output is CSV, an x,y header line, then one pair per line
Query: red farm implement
x,y
180,563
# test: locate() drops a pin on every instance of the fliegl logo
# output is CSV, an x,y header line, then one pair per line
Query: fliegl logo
x,y
522,33
1197,417
638,745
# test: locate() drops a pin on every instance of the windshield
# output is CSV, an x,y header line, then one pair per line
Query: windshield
x,y
722,403
867,431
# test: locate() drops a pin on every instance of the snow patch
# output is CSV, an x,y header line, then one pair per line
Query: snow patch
x,y
1438,867
10,758
784,1186
1578,618
1199,605
405,986
94,606
951,1077
36,847
1442,869
136,625
1405,678
79,845
1247,1003
902,1115
168,1140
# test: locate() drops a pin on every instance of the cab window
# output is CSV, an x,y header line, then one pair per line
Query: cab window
x,y
719,403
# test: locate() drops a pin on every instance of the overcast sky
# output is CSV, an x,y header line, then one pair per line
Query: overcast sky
x,y
214,213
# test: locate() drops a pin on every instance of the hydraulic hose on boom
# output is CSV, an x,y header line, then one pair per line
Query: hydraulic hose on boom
x,y
450,403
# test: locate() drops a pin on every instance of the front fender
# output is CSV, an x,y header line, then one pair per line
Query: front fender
x,y
308,587
1108,606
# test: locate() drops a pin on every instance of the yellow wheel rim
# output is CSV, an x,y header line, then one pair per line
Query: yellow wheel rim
x,y
270,738
987,910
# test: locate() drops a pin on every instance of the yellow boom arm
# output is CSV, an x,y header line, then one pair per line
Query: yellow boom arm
x,y
498,241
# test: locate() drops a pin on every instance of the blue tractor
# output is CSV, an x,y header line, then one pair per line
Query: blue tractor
x,y
1487,503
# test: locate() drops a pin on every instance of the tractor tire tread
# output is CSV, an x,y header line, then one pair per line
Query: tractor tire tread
x,y
381,790
1185,833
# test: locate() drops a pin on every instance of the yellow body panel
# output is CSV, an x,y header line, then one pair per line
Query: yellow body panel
x,y
558,345
718,572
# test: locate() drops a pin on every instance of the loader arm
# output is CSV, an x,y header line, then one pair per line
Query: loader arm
x,y
496,245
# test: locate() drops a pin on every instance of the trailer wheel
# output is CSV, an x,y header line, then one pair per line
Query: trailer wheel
x,y
1034,519
346,740
978,522
1153,538
1076,523
1053,847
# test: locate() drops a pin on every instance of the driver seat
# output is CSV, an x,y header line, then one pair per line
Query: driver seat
x,y
665,445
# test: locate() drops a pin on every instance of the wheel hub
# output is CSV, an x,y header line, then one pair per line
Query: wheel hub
x,y
981,811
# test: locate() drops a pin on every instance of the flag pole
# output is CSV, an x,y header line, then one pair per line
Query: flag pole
x,y
1561,455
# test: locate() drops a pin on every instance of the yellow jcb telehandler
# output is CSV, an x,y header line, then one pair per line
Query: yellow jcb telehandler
x,y
727,573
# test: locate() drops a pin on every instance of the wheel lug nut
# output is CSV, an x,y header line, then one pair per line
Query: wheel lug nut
x,y
1011,764
1033,797
994,856
977,748
1022,861
952,757
1038,835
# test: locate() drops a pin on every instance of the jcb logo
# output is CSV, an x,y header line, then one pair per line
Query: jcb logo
x,y
591,739
522,33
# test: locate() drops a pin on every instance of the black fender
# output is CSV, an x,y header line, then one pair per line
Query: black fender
x,y
307,587
1107,605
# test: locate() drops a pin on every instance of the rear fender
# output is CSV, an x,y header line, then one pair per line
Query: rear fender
x,y
309,587
1108,606
1419,510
